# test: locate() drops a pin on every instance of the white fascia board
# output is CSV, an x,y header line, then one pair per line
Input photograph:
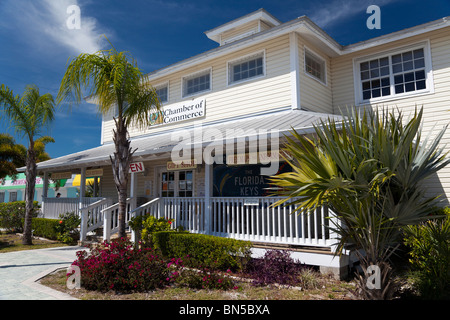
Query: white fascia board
x,y
399,35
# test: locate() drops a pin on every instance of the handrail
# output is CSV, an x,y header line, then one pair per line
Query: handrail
x,y
145,205
115,205
95,204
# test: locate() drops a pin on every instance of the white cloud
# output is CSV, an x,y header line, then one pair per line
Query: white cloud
x,y
44,24
338,10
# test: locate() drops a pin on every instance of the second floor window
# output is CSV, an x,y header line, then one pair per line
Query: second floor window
x,y
315,66
246,68
394,75
197,83
163,93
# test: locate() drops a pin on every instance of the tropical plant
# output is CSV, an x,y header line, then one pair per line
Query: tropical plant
x,y
368,169
10,156
429,244
29,115
115,82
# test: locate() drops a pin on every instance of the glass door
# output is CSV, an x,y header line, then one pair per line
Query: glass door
x,y
167,187
176,184
185,183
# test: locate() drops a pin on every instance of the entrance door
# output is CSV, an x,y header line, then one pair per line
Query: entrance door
x,y
176,184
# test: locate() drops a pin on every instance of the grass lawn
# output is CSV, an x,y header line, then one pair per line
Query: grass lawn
x,y
12,242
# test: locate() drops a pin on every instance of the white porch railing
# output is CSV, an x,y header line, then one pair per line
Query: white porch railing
x,y
53,207
111,218
255,219
251,219
188,213
92,216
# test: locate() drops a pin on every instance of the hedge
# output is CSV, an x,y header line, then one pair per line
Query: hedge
x,y
12,215
45,228
204,251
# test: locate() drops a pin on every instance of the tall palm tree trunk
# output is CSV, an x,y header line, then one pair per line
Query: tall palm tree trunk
x,y
29,193
120,164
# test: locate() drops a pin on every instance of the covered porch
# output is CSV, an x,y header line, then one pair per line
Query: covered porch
x,y
220,198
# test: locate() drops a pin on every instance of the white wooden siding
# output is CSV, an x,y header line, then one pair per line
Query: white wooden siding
x,y
314,95
436,105
226,101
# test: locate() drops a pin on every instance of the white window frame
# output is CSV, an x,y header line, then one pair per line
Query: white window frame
x,y
321,60
195,75
429,83
243,59
161,86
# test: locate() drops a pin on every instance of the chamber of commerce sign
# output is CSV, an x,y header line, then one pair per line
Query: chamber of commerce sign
x,y
184,111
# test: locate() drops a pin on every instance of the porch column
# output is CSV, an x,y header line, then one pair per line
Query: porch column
x,y
44,193
83,214
133,196
208,194
133,190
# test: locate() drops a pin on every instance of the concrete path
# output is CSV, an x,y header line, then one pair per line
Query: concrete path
x,y
20,271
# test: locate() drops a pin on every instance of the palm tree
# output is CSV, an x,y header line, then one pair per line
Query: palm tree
x,y
368,169
114,80
29,115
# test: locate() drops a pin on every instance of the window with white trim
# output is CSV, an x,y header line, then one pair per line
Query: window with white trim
x,y
396,74
2,197
196,83
163,93
246,68
315,66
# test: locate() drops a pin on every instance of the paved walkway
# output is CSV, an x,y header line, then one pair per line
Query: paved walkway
x,y
20,271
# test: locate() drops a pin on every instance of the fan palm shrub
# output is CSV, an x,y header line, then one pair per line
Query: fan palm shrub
x,y
368,169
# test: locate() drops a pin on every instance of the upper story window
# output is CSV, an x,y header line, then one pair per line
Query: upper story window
x,y
315,66
396,74
246,68
163,93
196,83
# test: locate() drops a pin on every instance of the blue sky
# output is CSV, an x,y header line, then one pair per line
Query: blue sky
x,y
35,43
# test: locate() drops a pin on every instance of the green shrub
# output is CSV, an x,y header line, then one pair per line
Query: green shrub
x,y
12,215
204,251
430,255
45,228
67,228
147,225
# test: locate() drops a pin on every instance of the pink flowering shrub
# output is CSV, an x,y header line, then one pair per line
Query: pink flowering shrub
x,y
121,267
